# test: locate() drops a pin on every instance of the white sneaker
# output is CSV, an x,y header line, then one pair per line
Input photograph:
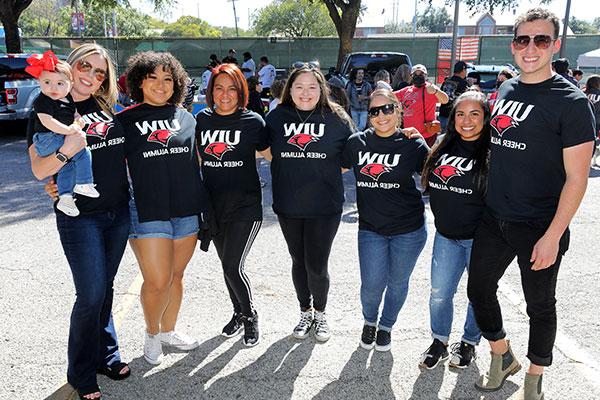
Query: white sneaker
x,y
153,349
303,328
322,333
86,190
178,340
66,204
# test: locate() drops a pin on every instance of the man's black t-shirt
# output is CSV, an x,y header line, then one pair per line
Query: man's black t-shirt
x,y
227,145
163,163
453,87
531,126
306,166
388,201
62,110
106,142
456,201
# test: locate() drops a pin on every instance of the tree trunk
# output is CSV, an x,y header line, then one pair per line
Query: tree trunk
x,y
10,11
345,24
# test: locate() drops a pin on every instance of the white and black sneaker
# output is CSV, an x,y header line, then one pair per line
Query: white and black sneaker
x,y
461,355
233,327
383,341
367,339
303,328
436,353
251,334
322,333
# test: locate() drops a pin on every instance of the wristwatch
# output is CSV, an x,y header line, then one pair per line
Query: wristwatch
x,y
61,157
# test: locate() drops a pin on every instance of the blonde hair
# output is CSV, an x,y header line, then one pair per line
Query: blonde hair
x,y
106,96
65,69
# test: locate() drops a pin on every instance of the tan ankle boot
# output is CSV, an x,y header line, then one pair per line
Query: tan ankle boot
x,y
532,388
501,367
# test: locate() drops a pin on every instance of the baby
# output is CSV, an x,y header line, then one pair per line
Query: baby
x,y
55,111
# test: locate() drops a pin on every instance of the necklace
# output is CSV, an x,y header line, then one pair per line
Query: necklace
x,y
305,119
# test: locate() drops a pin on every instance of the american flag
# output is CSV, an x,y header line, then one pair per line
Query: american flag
x,y
467,49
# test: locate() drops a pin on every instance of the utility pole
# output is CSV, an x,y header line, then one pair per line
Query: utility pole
x,y
563,42
237,33
415,21
454,35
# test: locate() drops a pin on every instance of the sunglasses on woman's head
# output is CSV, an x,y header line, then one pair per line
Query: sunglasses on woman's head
x,y
85,67
310,65
387,109
541,41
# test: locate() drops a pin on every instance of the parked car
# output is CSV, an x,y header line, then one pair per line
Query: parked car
x,y
486,75
18,89
373,62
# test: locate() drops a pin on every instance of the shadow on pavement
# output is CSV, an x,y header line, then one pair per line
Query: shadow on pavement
x,y
360,379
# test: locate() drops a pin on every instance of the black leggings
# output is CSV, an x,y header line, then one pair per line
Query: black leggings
x,y
233,244
309,243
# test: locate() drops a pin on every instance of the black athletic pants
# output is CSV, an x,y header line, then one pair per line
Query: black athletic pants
x,y
495,245
233,243
309,242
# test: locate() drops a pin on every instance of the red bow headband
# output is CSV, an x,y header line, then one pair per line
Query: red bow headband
x,y
41,62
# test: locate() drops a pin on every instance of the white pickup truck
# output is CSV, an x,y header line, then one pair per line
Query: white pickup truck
x,y
18,89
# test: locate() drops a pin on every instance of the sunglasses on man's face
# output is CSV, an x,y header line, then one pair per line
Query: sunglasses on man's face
x,y
541,41
85,67
309,65
387,109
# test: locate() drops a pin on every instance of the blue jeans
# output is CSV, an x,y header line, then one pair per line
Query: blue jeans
x,y
450,259
360,119
77,171
94,245
386,263
443,123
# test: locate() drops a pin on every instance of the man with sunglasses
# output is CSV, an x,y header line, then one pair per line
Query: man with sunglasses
x,y
542,139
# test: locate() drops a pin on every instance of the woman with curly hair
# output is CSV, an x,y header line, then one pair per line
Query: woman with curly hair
x,y
166,192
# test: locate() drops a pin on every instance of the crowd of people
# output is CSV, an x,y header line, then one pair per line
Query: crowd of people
x,y
503,183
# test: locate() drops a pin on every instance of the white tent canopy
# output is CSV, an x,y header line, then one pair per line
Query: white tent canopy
x,y
590,59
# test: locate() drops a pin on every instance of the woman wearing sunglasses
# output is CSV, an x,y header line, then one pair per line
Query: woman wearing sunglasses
x,y
228,136
307,133
94,241
391,213
455,174
167,192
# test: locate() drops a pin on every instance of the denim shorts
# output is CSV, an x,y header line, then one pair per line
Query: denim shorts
x,y
175,228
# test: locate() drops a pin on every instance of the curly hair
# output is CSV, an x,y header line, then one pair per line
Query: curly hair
x,y
535,14
140,65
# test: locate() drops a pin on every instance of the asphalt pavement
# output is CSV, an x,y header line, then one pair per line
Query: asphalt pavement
x,y
36,295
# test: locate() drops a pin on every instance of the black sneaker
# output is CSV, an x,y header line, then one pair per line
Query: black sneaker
x,y
462,355
251,335
233,327
383,341
437,352
367,339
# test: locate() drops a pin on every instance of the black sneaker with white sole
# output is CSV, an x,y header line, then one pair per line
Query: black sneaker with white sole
x,y
437,352
233,327
462,354
383,341
367,339
251,334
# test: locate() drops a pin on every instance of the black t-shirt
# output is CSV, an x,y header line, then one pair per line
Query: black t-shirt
x,y
531,125
163,163
255,103
456,201
306,167
594,96
453,87
227,145
388,201
62,110
106,142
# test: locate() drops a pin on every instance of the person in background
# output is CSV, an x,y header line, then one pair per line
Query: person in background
x,y
419,102
337,93
254,100
561,66
592,91
266,76
382,80
453,87
230,58
248,66
578,76
401,77
276,91
503,76
358,90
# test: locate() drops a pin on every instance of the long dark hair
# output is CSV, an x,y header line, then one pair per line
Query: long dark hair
x,y
480,156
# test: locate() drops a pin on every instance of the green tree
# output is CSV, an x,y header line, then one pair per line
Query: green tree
x,y
188,26
227,31
478,6
45,18
582,26
434,20
129,21
402,27
596,24
344,14
293,18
